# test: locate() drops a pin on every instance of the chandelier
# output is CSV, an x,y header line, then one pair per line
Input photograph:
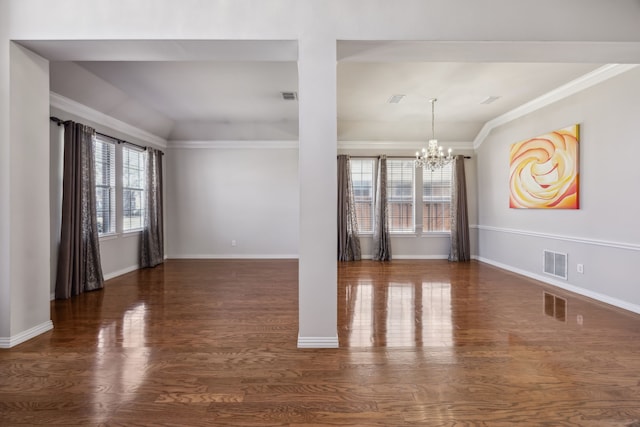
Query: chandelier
x,y
432,157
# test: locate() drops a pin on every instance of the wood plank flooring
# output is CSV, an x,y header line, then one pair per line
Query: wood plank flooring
x,y
430,343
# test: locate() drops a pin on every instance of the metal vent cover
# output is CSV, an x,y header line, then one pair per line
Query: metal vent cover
x,y
289,96
555,264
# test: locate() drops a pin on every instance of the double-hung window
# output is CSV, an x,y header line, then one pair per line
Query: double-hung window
x,y
362,176
133,191
436,199
120,173
404,190
400,195
104,150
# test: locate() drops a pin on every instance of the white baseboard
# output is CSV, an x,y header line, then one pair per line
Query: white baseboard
x,y
121,272
418,257
109,276
318,342
8,342
233,256
566,286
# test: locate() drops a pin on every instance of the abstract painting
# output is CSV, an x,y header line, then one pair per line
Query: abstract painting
x,y
544,171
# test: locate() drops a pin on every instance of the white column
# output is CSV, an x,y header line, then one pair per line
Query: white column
x,y
5,283
318,181
26,244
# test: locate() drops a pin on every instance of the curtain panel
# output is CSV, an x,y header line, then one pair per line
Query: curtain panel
x,y
152,244
381,236
460,247
79,267
348,240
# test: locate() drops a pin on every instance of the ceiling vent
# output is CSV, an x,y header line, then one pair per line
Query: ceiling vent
x,y
489,100
289,96
395,99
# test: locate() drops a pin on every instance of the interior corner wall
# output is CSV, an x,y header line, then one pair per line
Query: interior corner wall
x,y
216,197
603,235
29,193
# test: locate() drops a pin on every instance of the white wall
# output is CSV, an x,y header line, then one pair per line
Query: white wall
x,y
603,234
28,200
216,195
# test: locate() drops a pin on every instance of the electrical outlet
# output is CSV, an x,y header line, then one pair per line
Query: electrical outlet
x,y
580,268
234,243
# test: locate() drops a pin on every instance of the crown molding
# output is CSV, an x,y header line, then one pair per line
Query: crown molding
x,y
400,145
73,107
586,81
234,145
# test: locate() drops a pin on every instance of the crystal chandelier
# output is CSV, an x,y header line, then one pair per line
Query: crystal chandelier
x,y
432,157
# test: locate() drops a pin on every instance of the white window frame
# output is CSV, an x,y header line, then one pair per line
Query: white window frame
x,y
420,229
118,190
444,201
110,170
372,189
408,165
125,186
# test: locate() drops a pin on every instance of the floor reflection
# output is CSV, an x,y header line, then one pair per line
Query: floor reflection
x,y
120,374
398,314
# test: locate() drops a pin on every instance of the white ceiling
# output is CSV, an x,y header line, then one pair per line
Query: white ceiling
x,y
364,89
226,91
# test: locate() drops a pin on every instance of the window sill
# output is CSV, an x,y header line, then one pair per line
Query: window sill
x,y
436,234
124,234
131,233
403,234
392,234
109,236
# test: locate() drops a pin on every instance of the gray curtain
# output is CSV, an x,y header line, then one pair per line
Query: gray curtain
x,y
348,240
152,246
381,238
79,267
460,247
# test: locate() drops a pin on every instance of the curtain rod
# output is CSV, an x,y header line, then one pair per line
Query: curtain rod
x,y
390,157
60,122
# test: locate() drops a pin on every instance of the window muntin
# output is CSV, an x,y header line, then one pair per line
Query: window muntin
x,y
436,199
400,195
104,151
362,176
133,191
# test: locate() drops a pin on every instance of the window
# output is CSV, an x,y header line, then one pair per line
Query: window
x,y
403,192
104,152
400,191
436,199
133,193
362,179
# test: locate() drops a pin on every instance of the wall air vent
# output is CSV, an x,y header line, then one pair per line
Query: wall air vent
x,y
289,96
555,264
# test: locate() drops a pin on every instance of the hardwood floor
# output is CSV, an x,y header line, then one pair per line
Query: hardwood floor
x,y
432,343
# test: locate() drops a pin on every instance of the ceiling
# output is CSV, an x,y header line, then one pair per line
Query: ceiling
x,y
207,91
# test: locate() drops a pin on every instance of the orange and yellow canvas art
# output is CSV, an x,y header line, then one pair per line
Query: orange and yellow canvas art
x,y
544,171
